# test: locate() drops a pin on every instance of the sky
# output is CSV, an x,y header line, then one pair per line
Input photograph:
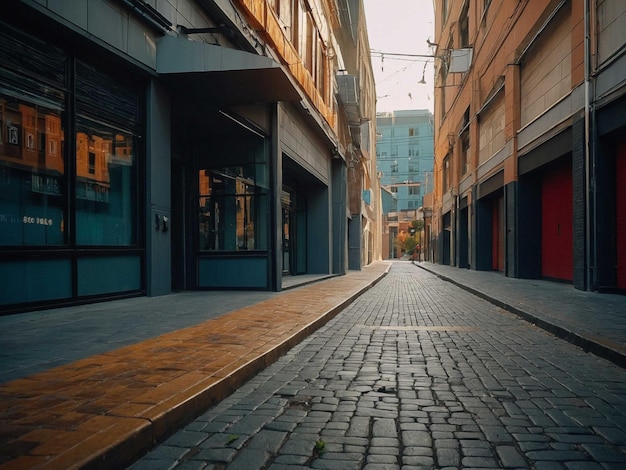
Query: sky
x,y
401,27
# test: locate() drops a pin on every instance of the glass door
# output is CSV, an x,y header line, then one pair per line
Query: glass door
x,y
286,198
286,242
294,233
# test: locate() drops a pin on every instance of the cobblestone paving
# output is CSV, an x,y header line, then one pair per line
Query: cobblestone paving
x,y
416,374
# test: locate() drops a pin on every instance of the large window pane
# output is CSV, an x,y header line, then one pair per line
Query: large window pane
x,y
232,197
106,189
32,169
232,211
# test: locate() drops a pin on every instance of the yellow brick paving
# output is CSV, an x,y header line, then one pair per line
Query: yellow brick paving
x,y
105,410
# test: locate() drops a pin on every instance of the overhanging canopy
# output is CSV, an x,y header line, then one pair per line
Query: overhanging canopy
x,y
222,75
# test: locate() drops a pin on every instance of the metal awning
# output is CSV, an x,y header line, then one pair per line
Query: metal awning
x,y
222,75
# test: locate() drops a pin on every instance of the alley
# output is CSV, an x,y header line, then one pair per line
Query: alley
x,y
416,373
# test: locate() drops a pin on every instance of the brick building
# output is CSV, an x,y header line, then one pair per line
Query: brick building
x,y
530,158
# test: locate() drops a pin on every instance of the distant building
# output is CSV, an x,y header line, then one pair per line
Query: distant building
x,y
390,203
405,156
530,146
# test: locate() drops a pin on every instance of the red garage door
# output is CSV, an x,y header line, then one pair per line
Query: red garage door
x,y
621,215
556,223
497,234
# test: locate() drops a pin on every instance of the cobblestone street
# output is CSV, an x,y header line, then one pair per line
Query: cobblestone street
x,y
416,374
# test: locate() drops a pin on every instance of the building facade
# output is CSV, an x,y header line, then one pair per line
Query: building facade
x,y
529,147
405,157
153,146
405,154
355,81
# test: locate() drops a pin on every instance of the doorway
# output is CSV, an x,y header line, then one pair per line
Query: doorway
x,y
286,207
557,260
294,232
497,233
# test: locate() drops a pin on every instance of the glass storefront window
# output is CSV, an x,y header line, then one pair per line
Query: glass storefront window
x,y
32,171
106,192
233,195
70,153
232,211
107,134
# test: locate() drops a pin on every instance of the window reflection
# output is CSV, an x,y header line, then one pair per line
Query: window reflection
x,y
31,172
231,209
105,185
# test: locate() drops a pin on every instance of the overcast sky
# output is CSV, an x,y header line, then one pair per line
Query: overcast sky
x,y
401,26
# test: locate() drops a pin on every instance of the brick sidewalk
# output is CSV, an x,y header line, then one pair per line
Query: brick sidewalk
x,y
105,410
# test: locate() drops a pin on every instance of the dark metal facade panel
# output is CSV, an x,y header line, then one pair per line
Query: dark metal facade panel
x,y
491,184
547,152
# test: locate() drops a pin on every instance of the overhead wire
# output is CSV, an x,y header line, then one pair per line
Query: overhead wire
x,y
402,56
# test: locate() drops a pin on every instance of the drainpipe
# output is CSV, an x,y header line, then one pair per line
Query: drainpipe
x,y
590,226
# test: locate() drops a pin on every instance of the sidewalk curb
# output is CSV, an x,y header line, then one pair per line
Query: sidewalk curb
x,y
147,436
587,344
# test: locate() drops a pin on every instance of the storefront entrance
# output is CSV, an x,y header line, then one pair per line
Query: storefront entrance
x,y
294,232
